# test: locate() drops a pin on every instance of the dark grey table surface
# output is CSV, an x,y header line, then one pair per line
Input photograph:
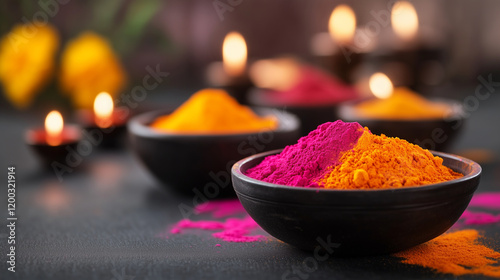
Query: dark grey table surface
x,y
103,221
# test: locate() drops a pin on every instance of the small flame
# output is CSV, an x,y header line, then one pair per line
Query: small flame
x,y
54,125
234,54
342,24
381,86
404,20
103,109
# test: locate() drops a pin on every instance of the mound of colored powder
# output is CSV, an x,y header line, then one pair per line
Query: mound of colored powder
x,y
342,155
402,104
233,229
301,164
314,87
213,111
380,162
457,253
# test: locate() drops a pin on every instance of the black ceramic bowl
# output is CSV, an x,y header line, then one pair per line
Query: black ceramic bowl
x,y
356,222
49,155
432,134
201,164
310,116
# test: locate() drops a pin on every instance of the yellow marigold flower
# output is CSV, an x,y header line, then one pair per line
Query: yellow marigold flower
x,y
88,67
27,61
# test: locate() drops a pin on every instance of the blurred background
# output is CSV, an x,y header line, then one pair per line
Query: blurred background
x,y
184,37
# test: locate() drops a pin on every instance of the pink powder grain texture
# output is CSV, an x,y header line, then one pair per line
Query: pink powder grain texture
x,y
238,230
479,218
205,225
301,164
486,200
221,208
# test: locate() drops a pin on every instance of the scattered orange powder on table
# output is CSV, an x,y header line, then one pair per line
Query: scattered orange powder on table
x,y
402,104
213,111
380,162
457,253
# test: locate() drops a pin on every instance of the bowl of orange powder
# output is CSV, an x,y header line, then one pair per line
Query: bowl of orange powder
x,y
192,148
342,190
432,124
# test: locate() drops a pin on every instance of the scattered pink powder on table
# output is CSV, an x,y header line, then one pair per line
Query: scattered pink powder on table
x,y
237,230
221,208
486,200
302,163
479,218
188,224
482,200
231,230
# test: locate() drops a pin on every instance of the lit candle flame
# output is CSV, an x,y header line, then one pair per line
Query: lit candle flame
x,y
381,86
404,20
234,54
342,24
54,125
103,110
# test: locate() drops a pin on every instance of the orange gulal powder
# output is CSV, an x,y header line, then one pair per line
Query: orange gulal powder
x,y
456,253
213,111
403,104
380,162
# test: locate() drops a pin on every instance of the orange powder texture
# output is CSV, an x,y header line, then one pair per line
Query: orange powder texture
x,y
213,111
456,253
403,104
380,162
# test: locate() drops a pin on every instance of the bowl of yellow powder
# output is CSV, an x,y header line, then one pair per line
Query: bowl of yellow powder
x,y
342,190
432,124
192,148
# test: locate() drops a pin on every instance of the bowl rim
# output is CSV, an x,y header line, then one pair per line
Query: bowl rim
x,y
139,125
347,112
475,172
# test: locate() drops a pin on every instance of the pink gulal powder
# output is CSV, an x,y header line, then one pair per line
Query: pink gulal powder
x,y
302,163
471,216
231,230
482,200
479,218
486,200
221,208
314,87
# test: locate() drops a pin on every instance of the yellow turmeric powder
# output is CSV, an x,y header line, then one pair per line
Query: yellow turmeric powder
x,y
379,162
213,111
403,104
457,253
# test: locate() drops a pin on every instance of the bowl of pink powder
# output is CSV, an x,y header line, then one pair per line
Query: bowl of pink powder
x,y
285,191
313,96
